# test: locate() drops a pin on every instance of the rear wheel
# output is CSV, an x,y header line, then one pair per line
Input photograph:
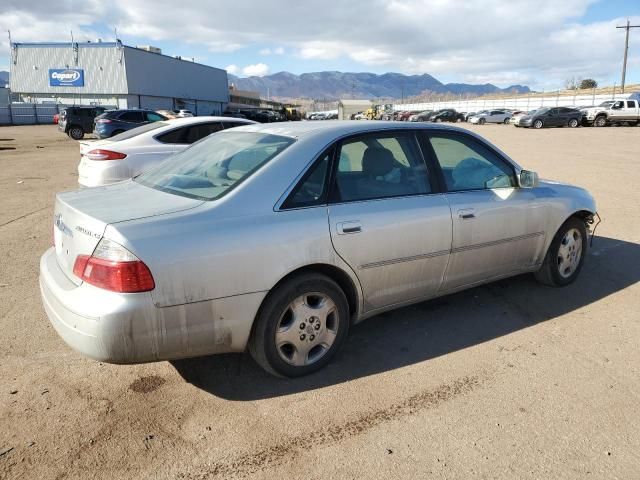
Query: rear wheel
x,y
573,123
507,120
538,124
565,256
300,326
76,133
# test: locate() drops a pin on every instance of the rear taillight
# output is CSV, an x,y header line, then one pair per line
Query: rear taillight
x,y
114,268
100,154
103,120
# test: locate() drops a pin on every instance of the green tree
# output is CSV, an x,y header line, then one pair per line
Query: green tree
x,y
588,83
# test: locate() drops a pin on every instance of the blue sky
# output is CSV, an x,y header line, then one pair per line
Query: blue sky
x,y
540,43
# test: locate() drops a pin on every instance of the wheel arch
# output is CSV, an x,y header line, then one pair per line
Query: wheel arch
x,y
337,274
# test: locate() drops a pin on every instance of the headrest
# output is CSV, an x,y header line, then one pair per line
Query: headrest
x,y
377,161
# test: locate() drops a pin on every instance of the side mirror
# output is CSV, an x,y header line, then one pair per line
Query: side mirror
x,y
528,179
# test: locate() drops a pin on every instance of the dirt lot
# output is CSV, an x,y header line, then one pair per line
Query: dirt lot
x,y
511,380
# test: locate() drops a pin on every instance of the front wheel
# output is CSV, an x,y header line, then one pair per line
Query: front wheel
x,y
482,121
573,123
301,326
565,256
538,124
600,121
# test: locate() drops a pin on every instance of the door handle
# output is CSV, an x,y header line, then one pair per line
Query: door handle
x,y
466,214
345,228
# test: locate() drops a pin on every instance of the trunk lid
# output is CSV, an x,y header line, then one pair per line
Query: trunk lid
x,y
87,145
81,217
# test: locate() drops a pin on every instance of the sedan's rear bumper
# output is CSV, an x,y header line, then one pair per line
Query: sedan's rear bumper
x,y
94,173
129,328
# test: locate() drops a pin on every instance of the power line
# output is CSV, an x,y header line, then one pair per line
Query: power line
x,y
627,27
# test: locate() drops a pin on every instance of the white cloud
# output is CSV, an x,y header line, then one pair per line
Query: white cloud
x,y
257,70
232,69
541,42
269,51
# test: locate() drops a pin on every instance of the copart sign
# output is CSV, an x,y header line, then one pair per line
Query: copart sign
x,y
66,77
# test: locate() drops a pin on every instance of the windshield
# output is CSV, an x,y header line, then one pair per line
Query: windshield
x,y
212,167
134,132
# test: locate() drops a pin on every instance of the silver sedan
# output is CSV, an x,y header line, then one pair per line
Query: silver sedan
x,y
277,238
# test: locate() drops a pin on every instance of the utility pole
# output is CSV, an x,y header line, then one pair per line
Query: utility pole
x,y
627,27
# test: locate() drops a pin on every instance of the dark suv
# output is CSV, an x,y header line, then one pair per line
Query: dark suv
x,y
114,122
76,121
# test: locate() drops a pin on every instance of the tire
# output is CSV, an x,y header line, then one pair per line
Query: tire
x,y
117,132
538,124
482,121
75,132
308,342
600,121
573,123
506,121
565,256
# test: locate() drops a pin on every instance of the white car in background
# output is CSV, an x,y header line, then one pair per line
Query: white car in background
x,y
491,116
128,154
184,113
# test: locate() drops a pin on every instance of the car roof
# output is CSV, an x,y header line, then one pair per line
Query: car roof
x,y
190,120
336,127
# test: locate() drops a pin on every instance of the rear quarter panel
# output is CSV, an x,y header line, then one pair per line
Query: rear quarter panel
x,y
201,255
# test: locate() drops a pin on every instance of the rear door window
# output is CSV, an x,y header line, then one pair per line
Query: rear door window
x,y
177,135
631,104
198,132
380,166
134,117
226,125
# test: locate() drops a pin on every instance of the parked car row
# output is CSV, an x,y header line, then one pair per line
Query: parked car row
x,y
437,116
611,112
78,121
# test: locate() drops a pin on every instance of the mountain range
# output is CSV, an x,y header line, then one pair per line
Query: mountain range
x,y
335,85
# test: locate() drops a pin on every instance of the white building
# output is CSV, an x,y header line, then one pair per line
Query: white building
x,y
113,74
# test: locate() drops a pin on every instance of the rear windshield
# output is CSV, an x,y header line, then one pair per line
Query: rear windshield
x,y
134,132
213,166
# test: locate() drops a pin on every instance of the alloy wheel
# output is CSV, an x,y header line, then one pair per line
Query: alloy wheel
x,y
307,329
569,253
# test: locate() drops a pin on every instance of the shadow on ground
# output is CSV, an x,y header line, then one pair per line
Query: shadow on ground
x,y
430,329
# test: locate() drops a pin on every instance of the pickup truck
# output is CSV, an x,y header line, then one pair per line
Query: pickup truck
x,y
613,112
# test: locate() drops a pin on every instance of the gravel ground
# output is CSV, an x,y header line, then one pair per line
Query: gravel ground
x,y
510,380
